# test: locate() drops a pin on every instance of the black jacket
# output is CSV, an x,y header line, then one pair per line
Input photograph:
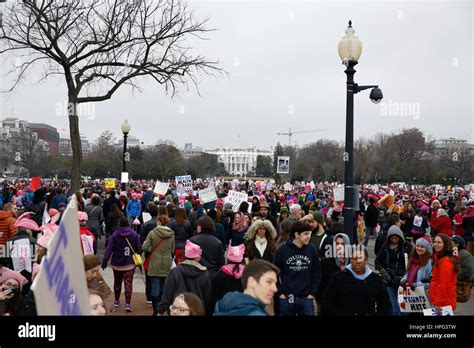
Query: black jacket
x,y
468,224
346,295
181,233
253,253
329,267
188,276
108,204
393,261
212,251
371,216
223,283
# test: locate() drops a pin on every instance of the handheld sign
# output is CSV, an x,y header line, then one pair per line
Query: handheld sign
x,y
161,188
60,287
412,301
110,184
236,198
186,181
207,195
338,194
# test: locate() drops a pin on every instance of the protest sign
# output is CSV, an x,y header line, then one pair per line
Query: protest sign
x,y
186,181
445,311
236,198
35,183
338,193
207,195
60,288
161,188
146,217
392,193
283,165
412,301
110,184
288,187
124,177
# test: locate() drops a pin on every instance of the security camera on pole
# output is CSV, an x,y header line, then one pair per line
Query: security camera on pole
x,y
350,49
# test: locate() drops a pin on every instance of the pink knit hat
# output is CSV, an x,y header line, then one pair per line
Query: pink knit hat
x,y
82,216
7,273
45,238
425,208
52,212
24,221
191,250
220,202
236,253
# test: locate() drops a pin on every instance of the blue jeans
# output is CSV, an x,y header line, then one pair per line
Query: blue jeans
x,y
157,286
292,305
393,294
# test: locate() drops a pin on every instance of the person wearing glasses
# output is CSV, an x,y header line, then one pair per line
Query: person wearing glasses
x,y
187,304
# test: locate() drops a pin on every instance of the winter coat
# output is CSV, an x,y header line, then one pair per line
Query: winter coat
x,y
346,295
235,238
393,262
7,226
329,267
382,211
119,249
38,210
27,199
443,283
188,276
442,225
21,262
465,266
222,283
408,223
419,225
300,269
239,304
88,240
147,227
252,253
108,204
112,223
468,224
181,232
162,258
96,218
134,209
423,276
212,251
371,216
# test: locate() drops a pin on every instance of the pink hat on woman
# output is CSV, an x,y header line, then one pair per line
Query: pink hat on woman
x,y
191,250
236,253
7,273
24,221
45,238
82,216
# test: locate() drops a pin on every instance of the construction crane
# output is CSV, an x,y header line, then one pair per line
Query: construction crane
x,y
290,133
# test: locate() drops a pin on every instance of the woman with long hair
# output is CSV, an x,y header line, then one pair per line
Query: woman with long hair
x,y
261,241
236,235
81,203
444,277
285,231
112,221
419,265
182,232
406,218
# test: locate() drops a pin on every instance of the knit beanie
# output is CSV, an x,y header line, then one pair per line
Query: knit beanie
x,y
319,217
425,242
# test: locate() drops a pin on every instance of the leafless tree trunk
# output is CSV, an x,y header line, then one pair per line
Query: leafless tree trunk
x,y
100,45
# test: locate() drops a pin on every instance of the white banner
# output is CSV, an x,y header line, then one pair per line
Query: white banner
x,y
412,301
445,311
60,287
186,181
283,165
161,188
236,198
207,195
338,193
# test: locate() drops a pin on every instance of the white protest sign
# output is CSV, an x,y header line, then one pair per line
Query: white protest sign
x,y
161,188
288,187
207,195
146,217
181,190
392,193
249,210
312,185
21,254
211,184
375,188
60,288
186,181
445,311
338,193
236,198
124,177
412,301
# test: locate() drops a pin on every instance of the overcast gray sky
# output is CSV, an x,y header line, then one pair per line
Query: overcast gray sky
x,y
284,71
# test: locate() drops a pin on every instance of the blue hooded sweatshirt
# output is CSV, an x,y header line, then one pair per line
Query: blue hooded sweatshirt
x,y
300,269
238,304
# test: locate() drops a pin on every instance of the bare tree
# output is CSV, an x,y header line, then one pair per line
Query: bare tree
x,y
99,45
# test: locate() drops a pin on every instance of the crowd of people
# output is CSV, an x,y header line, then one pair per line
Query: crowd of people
x,y
282,252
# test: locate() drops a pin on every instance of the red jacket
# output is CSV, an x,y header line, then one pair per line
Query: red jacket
x,y
442,225
84,231
443,283
7,226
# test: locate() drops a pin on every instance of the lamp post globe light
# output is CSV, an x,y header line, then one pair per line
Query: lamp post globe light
x,y
126,127
350,50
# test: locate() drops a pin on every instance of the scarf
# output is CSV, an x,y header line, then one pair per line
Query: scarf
x,y
413,271
242,226
229,270
261,244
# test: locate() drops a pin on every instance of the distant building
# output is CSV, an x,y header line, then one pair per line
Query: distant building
x,y
65,147
239,161
452,144
48,134
191,152
131,142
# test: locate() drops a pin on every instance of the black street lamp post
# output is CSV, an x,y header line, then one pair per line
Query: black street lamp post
x,y
126,156
350,49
